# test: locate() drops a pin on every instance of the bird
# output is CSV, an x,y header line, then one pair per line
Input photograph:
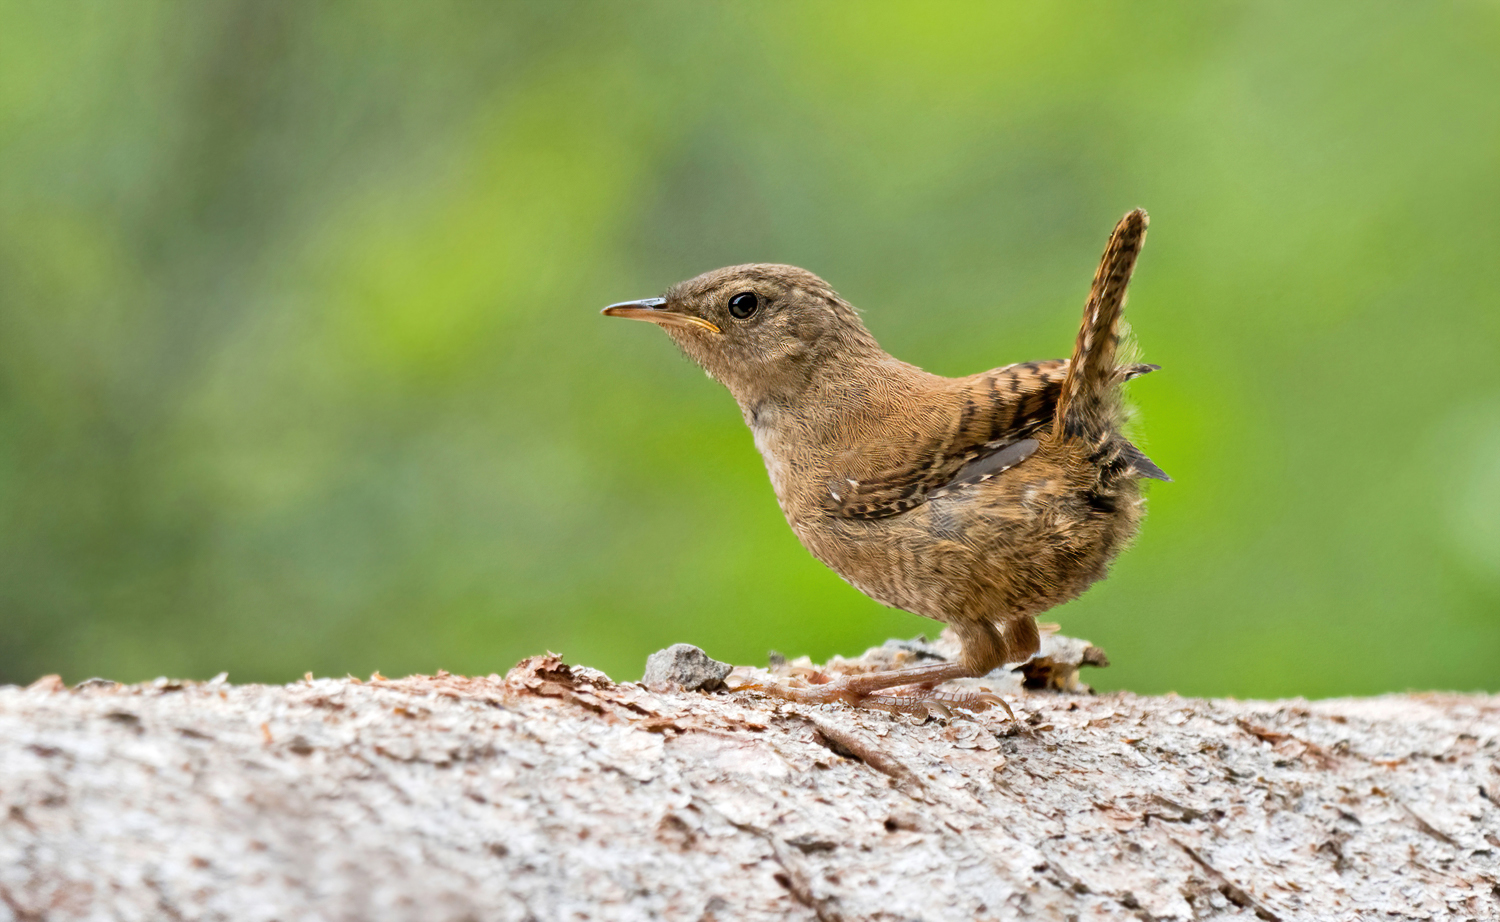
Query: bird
x,y
978,501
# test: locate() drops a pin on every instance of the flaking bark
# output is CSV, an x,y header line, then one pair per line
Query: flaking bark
x,y
556,794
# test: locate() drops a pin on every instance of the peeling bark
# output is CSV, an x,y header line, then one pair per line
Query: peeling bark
x,y
556,794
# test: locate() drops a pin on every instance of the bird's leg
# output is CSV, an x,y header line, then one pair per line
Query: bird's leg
x,y
861,691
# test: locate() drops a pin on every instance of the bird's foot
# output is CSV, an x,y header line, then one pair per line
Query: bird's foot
x,y
900,691
923,701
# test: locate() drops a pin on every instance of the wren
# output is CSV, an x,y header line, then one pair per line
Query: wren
x,y
979,501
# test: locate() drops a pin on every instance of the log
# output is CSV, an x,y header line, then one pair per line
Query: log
x,y
555,793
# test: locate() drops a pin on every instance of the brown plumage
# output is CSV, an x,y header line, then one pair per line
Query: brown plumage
x,y
978,501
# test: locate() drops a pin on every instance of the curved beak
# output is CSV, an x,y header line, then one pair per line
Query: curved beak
x,y
651,309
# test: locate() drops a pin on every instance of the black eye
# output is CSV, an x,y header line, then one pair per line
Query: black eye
x,y
743,304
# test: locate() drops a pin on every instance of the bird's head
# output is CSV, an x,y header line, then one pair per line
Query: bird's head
x,y
764,331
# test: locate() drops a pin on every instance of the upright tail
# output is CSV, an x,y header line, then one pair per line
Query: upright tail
x,y
1089,404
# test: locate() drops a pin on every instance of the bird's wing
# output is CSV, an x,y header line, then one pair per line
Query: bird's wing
x,y
993,427
989,415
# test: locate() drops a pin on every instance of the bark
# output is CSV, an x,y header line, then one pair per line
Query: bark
x,y
555,794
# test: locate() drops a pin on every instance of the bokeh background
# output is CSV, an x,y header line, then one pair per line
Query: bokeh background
x,y
301,366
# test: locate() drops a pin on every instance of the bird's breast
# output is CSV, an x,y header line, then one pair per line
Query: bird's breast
x,y
793,463
777,466
786,473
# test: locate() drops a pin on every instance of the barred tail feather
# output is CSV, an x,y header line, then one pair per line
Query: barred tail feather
x,y
1089,405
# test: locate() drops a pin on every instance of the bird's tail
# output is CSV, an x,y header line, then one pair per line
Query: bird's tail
x,y
1089,405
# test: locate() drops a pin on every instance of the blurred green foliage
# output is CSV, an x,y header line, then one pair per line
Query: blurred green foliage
x,y
301,366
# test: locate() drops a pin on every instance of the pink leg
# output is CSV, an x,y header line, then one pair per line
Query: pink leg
x,y
860,691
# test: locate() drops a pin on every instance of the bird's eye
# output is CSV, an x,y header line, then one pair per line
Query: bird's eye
x,y
743,304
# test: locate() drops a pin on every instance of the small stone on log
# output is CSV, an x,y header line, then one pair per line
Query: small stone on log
x,y
684,667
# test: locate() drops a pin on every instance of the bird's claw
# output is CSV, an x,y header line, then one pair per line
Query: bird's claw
x,y
919,702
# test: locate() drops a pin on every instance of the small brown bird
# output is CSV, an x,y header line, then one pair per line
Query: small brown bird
x,y
979,501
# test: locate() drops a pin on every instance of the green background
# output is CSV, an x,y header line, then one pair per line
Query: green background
x,y
301,366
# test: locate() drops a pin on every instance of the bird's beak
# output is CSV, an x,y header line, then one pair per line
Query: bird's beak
x,y
651,309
